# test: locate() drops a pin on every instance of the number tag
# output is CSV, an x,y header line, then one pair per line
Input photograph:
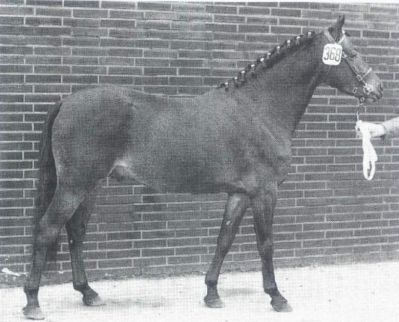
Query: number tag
x,y
332,54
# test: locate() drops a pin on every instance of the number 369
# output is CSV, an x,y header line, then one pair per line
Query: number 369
x,y
333,53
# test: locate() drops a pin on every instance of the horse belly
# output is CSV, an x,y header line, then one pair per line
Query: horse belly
x,y
170,163
168,175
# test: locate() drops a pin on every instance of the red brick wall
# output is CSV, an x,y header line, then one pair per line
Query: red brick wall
x,y
326,211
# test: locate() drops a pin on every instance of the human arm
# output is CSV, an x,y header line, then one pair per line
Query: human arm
x,y
389,128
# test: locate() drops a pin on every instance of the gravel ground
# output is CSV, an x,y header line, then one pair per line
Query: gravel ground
x,y
358,292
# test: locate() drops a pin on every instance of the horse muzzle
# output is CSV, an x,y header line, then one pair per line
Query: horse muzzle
x,y
372,92
369,86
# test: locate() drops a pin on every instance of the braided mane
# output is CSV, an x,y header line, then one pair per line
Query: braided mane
x,y
267,60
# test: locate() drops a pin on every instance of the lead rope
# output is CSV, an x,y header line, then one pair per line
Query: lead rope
x,y
369,154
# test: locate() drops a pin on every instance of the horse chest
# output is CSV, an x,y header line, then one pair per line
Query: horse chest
x,y
266,146
273,161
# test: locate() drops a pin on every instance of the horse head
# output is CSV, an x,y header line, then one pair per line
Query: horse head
x,y
345,68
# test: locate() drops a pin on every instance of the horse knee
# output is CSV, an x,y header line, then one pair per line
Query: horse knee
x,y
76,234
75,242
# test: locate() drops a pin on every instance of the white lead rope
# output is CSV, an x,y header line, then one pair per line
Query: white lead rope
x,y
369,154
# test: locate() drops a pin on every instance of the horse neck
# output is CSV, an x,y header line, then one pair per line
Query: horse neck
x,y
283,91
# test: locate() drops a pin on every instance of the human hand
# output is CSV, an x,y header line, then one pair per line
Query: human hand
x,y
374,129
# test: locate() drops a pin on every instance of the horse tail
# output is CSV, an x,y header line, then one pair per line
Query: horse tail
x,y
47,182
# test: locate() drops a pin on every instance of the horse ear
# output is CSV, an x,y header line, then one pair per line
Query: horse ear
x,y
336,29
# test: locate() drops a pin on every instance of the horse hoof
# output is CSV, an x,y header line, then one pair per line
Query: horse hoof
x,y
281,305
33,313
213,302
93,301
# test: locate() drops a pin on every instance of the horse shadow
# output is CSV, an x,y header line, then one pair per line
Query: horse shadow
x,y
149,302
238,291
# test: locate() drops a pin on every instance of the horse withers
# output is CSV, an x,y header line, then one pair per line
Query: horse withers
x,y
235,139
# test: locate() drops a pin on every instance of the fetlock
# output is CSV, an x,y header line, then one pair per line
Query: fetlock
x,y
212,298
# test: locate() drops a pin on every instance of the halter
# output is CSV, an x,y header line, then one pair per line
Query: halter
x,y
350,60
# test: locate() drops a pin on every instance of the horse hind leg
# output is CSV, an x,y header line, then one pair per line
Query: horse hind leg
x,y
236,206
263,208
76,230
63,205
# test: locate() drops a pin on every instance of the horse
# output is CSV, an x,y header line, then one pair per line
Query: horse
x,y
234,139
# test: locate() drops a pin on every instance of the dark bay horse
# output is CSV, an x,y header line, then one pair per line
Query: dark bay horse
x,y
235,138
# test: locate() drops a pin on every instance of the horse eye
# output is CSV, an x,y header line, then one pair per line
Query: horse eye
x,y
352,53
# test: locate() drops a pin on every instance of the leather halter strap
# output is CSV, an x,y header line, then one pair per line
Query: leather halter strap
x,y
359,76
332,40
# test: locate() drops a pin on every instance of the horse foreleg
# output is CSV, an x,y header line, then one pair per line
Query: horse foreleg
x,y
234,211
263,208
76,230
61,208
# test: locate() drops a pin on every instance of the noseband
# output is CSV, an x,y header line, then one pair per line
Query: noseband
x,y
354,66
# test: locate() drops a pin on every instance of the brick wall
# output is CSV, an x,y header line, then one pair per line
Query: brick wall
x,y
326,211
